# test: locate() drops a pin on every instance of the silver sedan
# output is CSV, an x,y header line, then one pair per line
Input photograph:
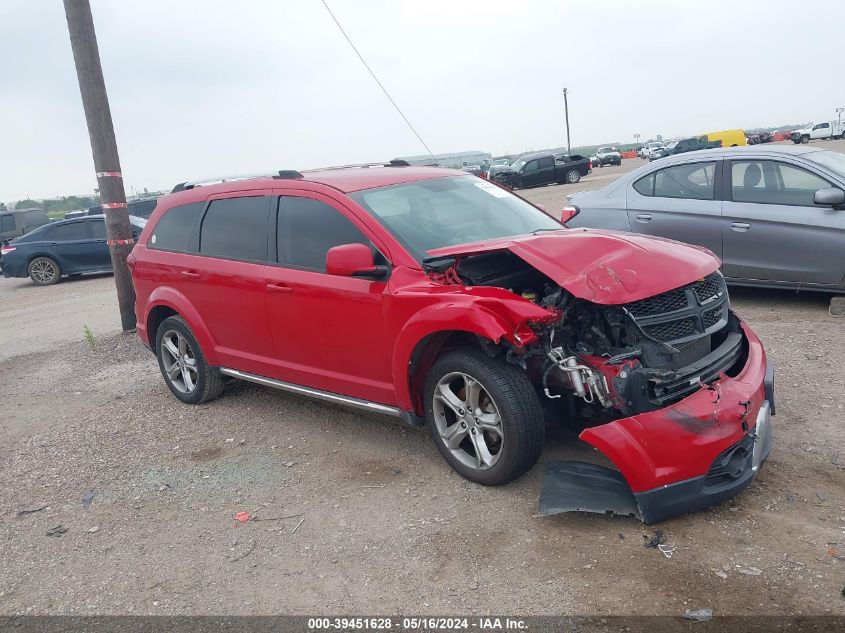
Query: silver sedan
x,y
775,215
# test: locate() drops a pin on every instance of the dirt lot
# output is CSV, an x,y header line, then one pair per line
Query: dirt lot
x,y
377,521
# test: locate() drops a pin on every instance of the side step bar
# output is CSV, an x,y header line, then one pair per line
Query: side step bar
x,y
326,396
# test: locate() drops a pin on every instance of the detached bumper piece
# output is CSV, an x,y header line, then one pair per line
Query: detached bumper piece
x,y
571,486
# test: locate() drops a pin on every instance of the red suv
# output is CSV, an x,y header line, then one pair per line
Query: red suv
x,y
442,299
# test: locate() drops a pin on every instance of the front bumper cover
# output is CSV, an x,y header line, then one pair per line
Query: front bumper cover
x,y
684,457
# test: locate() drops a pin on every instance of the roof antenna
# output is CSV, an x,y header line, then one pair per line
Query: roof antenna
x,y
383,89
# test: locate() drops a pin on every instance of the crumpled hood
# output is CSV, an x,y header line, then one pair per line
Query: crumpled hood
x,y
605,267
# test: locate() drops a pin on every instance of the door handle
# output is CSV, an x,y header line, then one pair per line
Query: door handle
x,y
740,227
280,289
644,217
190,274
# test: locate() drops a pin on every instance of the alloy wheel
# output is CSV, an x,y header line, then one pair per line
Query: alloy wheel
x,y
468,421
179,361
43,271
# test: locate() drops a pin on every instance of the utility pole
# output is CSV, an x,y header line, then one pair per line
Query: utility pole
x,y
636,141
839,112
95,101
566,110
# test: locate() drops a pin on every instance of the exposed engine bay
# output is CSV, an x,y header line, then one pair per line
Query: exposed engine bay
x,y
615,360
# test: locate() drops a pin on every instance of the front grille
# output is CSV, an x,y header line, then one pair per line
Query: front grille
x,y
712,317
708,290
671,330
667,302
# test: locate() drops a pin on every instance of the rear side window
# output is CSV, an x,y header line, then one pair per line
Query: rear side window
x,y
545,163
35,218
690,181
7,222
236,228
308,228
174,228
98,229
68,232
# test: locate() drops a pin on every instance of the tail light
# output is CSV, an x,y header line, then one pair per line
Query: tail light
x,y
5,249
568,213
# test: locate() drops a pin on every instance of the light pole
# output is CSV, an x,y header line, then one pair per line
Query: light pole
x,y
636,142
566,110
839,112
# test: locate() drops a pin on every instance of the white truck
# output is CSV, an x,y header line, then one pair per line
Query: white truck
x,y
823,130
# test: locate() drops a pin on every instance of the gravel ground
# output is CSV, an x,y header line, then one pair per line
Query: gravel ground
x,y
358,514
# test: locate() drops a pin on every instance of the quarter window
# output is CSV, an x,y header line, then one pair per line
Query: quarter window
x,y
68,232
236,228
308,228
173,230
772,182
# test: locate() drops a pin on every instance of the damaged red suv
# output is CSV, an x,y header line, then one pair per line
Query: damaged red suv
x,y
444,300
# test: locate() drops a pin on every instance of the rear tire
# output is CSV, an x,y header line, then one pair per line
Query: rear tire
x,y
573,176
183,365
499,436
44,271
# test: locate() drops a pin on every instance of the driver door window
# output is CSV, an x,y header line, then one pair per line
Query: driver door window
x,y
772,182
307,229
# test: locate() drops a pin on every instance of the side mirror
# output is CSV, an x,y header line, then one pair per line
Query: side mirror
x,y
829,197
353,260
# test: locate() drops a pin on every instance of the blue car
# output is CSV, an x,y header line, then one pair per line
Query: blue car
x,y
70,247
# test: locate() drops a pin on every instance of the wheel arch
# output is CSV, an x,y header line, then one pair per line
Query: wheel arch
x,y
166,302
430,332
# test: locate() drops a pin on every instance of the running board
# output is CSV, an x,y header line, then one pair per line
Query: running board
x,y
326,396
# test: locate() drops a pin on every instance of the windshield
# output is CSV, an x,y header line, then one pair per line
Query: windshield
x,y
834,161
654,145
672,145
430,214
604,150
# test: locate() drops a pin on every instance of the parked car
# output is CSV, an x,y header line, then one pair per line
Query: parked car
x,y
728,138
774,215
765,137
752,139
608,156
819,131
136,208
647,149
67,247
16,222
684,145
442,299
539,169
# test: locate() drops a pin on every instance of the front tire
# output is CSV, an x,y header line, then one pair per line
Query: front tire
x,y
182,363
44,271
573,176
805,139
484,416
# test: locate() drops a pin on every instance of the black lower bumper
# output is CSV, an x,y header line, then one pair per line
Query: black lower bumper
x,y
571,486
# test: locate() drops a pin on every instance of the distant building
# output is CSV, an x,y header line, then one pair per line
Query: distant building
x,y
458,159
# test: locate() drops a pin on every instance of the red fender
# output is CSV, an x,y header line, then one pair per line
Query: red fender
x,y
172,298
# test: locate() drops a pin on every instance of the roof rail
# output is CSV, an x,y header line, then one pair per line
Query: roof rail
x,y
190,184
393,163
282,174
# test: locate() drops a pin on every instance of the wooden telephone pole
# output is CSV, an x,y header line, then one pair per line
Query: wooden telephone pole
x,y
95,101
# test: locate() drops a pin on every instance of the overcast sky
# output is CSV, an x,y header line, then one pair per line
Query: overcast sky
x,y
205,87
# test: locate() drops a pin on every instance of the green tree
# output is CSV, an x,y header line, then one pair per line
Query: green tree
x,y
26,204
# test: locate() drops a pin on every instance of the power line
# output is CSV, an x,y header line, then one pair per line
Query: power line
x,y
383,89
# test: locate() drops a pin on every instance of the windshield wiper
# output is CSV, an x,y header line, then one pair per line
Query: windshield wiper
x,y
561,228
